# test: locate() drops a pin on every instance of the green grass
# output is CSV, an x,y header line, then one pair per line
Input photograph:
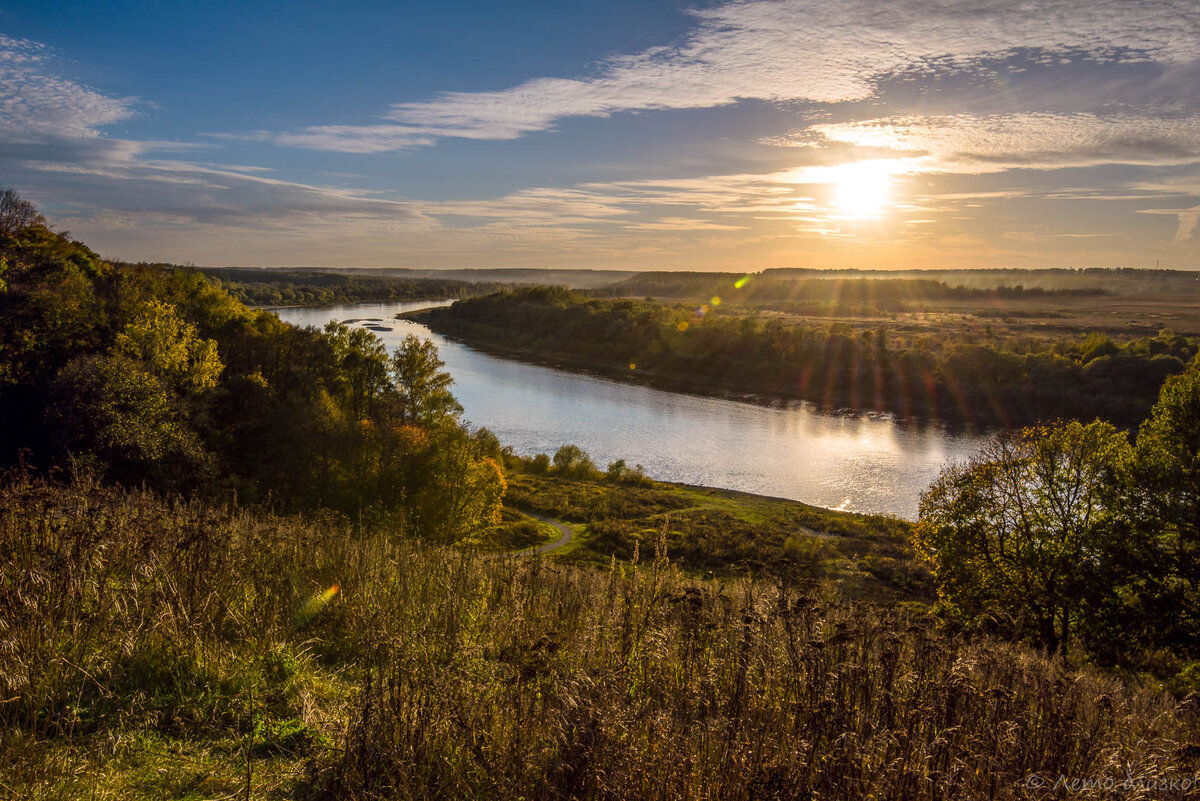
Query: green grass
x,y
723,532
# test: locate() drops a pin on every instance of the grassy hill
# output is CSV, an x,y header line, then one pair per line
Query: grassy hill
x,y
174,649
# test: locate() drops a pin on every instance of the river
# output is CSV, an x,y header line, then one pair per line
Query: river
x,y
854,463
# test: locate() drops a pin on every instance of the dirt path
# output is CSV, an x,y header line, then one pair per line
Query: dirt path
x,y
568,534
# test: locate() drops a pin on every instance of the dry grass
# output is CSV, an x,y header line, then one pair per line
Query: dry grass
x,y
152,650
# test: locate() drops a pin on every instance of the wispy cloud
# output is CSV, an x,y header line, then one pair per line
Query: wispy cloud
x,y
828,51
35,103
51,146
982,144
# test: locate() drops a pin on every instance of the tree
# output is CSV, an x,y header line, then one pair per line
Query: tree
x,y
1020,534
116,410
171,347
1165,503
422,387
363,365
573,461
459,493
17,215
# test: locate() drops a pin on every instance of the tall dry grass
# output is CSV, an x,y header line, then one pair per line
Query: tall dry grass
x,y
437,674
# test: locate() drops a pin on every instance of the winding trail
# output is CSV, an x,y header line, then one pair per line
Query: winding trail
x,y
568,534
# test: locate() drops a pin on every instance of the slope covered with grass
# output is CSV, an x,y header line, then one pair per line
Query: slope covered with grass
x,y
169,649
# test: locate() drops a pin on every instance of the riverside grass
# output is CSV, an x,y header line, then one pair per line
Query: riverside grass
x,y
151,648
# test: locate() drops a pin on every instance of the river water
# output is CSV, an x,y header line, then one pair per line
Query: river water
x,y
855,463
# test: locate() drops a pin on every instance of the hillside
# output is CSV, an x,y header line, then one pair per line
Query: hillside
x,y
180,650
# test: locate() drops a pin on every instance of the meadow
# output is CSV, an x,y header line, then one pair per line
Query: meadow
x,y
170,648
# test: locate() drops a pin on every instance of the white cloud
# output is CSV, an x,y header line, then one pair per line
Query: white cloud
x,y
981,144
51,148
780,50
35,103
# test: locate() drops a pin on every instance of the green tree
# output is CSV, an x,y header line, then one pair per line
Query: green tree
x,y
460,493
422,387
1165,506
120,414
1018,536
573,461
170,346
363,366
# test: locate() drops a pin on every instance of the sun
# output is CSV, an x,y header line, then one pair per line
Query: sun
x,y
862,189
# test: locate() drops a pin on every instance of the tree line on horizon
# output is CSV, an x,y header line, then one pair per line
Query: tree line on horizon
x,y
929,375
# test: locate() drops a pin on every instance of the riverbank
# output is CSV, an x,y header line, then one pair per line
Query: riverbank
x,y
777,395
978,378
866,463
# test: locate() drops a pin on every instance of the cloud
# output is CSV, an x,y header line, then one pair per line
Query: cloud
x,y
826,51
1189,220
51,147
125,181
35,103
972,144
1187,224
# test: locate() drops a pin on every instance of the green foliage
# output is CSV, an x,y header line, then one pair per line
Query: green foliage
x,y
724,532
703,348
621,473
1017,535
572,462
159,376
1065,530
170,347
270,287
123,416
1164,530
422,387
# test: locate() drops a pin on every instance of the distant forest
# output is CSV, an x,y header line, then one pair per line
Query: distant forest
x,y
268,287
305,288
799,284
929,374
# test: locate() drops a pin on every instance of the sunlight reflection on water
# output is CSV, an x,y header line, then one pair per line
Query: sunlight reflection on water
x,y
864,464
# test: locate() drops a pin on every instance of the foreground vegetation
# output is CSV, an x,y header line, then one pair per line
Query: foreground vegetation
x,y
175,649
933,374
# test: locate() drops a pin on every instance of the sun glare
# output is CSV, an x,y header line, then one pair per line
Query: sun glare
x,y
861,190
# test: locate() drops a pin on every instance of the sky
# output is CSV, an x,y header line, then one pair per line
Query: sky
x,y
627,134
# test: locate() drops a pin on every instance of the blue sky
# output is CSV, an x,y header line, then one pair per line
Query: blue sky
x,y
656,135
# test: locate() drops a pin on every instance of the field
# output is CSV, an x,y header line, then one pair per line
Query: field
x,y
1043,304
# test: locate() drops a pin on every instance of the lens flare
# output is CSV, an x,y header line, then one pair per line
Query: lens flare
x,y
313,606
